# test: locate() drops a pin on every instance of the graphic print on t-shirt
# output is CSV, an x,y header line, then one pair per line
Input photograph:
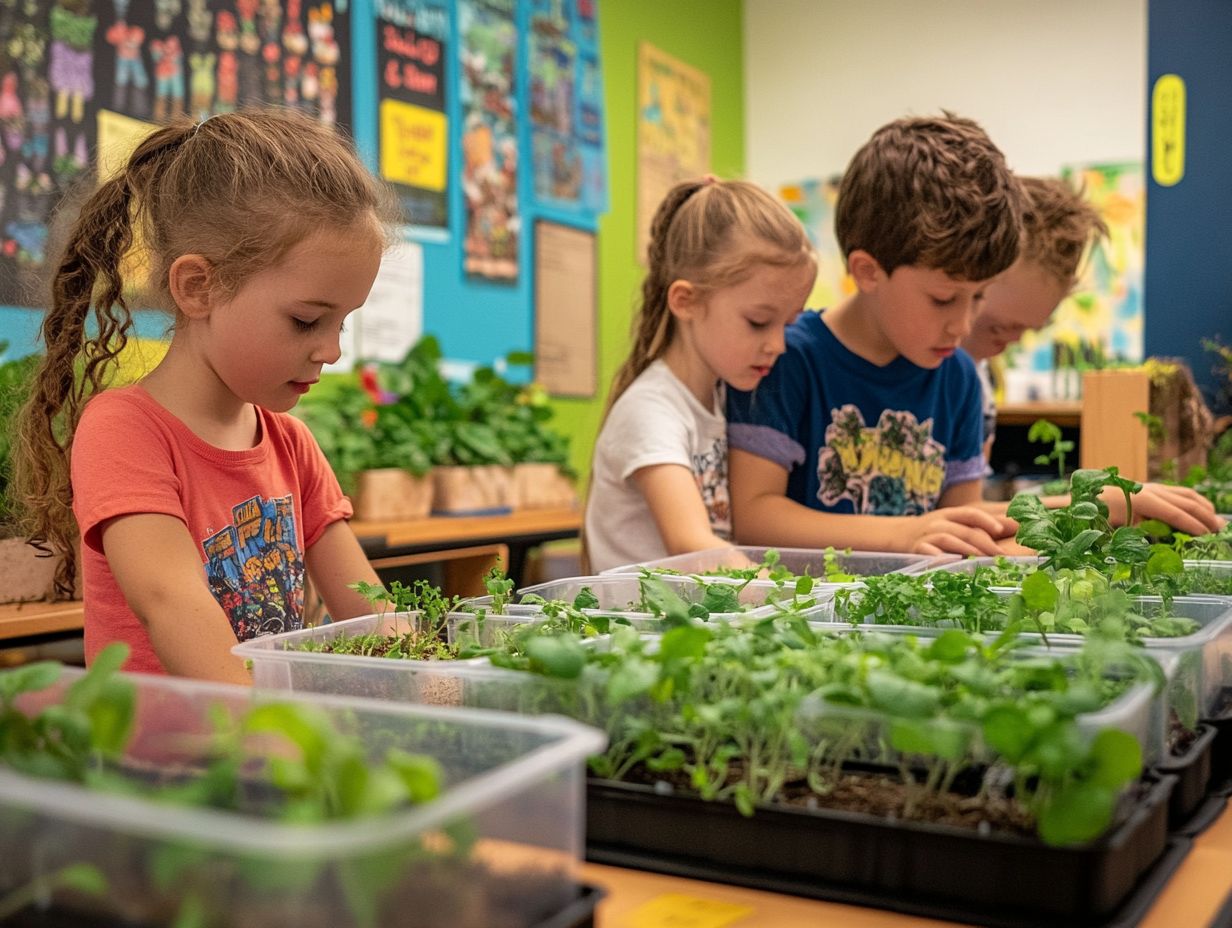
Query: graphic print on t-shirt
x,y
255,570
894,468
710,471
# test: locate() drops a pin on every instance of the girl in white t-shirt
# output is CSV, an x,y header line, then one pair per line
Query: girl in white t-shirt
x,y
728,267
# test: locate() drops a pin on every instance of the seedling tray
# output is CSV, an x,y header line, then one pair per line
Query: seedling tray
x,y
930,870
1221,755
1193,775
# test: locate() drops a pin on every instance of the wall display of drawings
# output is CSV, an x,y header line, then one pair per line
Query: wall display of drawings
x,y
673,131
813,202
566,106
1103,318
489,45
71,70
412,40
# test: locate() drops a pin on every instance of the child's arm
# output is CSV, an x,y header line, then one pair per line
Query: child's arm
x,y
1184,509
763,515
158,569
335,561
679,512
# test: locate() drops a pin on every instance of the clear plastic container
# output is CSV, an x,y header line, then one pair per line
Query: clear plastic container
x,y
499,844
285,662
799,561
1218,572
1204,659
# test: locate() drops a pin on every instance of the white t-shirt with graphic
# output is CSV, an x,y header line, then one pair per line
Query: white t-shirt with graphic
x,y
655,421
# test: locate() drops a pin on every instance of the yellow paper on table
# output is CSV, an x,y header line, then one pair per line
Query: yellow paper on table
x,y
413,145
118,137
676,910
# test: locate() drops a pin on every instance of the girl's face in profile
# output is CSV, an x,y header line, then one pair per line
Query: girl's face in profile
x,y
268,342
1021,299
739,328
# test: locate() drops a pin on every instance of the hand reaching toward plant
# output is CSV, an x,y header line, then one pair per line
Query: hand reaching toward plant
x,y
958,530
1180,507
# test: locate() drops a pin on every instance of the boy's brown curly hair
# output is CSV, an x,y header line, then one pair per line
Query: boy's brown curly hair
x,y
931,191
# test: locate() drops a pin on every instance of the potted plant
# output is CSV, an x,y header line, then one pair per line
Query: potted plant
x,y
379,452
26,573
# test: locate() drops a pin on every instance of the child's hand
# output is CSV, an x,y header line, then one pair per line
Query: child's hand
x,y
1182,508
959,530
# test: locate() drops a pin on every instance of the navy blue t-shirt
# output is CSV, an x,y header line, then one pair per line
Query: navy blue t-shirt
x,y
858,438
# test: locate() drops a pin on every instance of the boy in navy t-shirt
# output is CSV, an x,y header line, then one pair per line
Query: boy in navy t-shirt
x,y
874,411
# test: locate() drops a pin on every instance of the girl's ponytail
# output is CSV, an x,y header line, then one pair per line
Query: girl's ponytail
x,y
88,277
654,322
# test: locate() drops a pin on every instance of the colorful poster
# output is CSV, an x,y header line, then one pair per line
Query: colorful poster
x,y
489,139
1102,320
566,89
68,66
412,41
813,202
673,131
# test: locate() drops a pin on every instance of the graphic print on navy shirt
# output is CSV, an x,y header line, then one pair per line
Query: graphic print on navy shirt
x,y
893,468
255,570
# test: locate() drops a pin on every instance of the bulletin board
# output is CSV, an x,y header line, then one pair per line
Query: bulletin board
x,y
68,67
475,171
566,310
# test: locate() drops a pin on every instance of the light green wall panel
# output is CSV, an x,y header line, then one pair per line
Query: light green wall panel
x,y
707,34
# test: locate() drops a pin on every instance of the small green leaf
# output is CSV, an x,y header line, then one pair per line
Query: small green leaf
x,y
1076,813
560,656
1117,756
1039,592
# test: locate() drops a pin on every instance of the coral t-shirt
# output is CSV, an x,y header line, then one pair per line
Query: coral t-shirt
x,y
253,513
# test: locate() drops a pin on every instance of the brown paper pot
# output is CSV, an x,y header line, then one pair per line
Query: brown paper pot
x,y
472,490
392,494
541,486
25,577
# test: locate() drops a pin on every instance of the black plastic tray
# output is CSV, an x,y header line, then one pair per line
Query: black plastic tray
x,y
1193,776
931,870
580,913
1221,753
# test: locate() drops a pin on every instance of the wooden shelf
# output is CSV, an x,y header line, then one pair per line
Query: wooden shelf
x,y
443,531
1064,413
24,620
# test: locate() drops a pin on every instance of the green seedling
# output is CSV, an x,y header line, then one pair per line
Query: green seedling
x,y
1044,432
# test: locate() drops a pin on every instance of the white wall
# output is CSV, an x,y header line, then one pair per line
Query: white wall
x,y
1052,81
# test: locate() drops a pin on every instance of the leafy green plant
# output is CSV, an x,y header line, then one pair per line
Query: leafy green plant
x,y
15,379
427,611
274,760
724,710
1043,431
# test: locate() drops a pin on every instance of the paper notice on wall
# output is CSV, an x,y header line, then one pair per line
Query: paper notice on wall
x,y
391,321
565,310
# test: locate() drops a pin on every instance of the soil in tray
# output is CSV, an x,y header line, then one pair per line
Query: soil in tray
x,y
885,796
452,896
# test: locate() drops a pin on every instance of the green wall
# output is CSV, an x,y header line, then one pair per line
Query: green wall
x,y
707,34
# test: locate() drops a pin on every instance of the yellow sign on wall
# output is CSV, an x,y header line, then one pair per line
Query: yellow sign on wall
x,y
1168,130
118,138
413,145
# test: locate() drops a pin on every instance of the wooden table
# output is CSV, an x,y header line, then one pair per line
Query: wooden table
x,y
40,620
649,900
519,531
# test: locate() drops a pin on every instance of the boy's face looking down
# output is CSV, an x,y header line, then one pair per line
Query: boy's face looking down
x,y
1021,299
920,313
